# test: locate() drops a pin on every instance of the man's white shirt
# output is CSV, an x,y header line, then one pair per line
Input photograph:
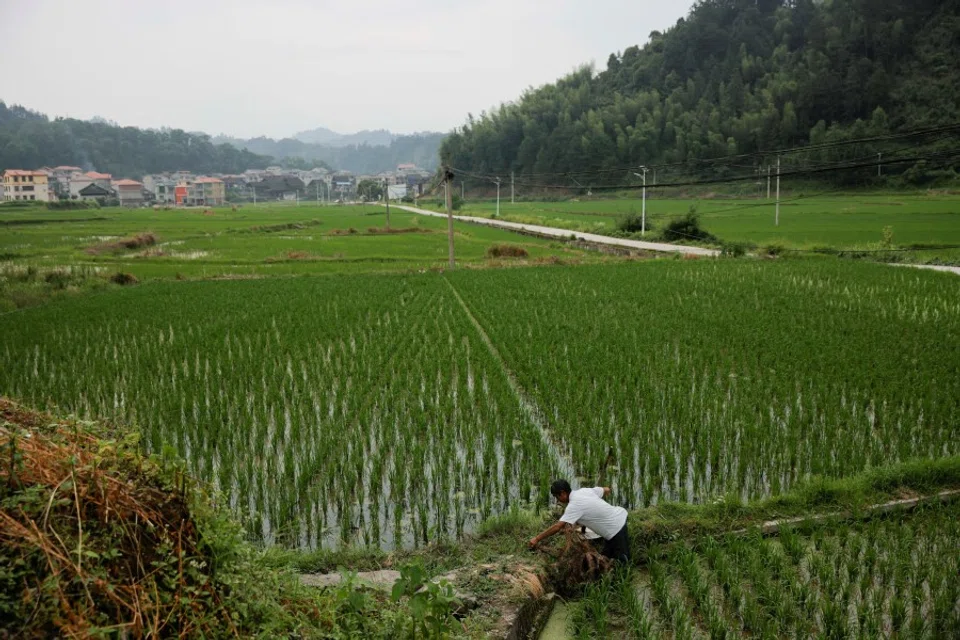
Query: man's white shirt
x,y
588,509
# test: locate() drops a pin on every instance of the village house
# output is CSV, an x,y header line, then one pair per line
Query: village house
x,y
82,180
204,191
26,185
60,179
94,191
285,187
162,186
129,192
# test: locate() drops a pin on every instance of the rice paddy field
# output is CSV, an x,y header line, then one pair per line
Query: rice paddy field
x,y
263,241
926,224
888,577
340,389
392,410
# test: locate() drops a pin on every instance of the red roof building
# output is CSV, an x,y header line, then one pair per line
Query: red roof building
x,y
130,192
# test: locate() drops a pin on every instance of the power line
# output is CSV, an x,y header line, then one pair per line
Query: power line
x,y
951,128
732,179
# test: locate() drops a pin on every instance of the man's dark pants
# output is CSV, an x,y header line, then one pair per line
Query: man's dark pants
x,y
617,548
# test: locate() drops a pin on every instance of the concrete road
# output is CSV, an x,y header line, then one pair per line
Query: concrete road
x,y
566,234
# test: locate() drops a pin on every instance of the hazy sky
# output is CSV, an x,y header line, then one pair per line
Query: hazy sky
x,y
247,68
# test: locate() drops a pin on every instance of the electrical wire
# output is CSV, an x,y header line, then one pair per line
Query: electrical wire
x,y
945,129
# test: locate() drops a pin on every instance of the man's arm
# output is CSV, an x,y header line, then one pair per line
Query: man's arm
x,y
553,530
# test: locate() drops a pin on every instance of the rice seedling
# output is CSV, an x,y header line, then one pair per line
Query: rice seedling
x,y
730,377
325,413
892,576
371,411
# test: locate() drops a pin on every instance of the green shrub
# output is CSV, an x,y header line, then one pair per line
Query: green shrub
x,y
733,249
632,222
687,229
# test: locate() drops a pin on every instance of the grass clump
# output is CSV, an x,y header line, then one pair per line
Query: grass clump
x,y
124,279
504,250
138,241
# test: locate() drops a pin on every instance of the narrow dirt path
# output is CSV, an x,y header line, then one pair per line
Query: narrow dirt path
x,y
553,232
563,463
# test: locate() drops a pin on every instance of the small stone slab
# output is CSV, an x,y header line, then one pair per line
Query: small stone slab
x,y
383,578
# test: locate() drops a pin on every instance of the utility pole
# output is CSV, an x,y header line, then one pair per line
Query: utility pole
x,y
498,196
879,166
463,190
643,215
386,197
768,182
447,179
254,195
777,217
511,188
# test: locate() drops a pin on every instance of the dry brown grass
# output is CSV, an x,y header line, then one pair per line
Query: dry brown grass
x,y
384,230
138,241
124,279
507,251
577,564
90,542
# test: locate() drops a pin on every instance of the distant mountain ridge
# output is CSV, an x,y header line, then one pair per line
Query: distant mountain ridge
x,y
361,152
324,136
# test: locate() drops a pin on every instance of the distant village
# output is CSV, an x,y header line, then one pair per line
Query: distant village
x,y
183,188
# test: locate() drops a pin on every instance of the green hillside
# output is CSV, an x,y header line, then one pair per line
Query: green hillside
x,y
738,77
29,139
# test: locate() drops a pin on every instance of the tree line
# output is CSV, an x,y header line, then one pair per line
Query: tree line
x,y
734,77
29,140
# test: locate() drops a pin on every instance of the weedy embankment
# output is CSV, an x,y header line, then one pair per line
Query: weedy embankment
x,y
97,539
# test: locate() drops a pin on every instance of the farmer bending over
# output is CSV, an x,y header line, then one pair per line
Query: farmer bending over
x,y
587,508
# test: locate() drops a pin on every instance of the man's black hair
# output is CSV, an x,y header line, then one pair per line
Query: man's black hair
x,y
558,487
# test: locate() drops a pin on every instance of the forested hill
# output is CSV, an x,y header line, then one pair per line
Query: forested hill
x,y
419,148
734,76
29,140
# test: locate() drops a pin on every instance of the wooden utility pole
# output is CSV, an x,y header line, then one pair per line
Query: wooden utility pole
x,y
386,197
447,180
777,219
511,187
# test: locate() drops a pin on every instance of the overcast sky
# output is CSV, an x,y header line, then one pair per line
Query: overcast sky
x,y
255,67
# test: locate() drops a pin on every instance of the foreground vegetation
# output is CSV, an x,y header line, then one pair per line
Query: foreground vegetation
x,y
98,540
688,380
79,503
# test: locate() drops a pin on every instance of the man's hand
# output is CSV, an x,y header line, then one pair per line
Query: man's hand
x,y
534,543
